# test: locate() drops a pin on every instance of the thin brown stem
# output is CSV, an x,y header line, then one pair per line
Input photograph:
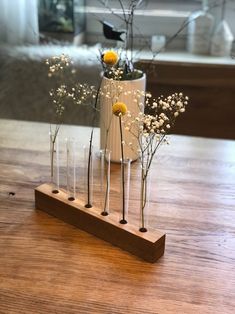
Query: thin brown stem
x,y
123,220
153,153
123,9
53,140
89,162
111,10
89,165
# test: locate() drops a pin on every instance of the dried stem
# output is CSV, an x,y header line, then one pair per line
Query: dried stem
x,y
89,203
54,137
123,220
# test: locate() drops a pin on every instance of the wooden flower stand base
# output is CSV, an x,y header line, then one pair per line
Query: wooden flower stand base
x,y
148,246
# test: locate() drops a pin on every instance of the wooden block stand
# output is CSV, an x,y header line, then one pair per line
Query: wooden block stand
x,y
148,246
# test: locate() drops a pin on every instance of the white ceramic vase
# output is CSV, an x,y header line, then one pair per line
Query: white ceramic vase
x,y
123,91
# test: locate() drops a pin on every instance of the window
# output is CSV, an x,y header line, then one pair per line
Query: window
x,y
56,16
59,19
154,17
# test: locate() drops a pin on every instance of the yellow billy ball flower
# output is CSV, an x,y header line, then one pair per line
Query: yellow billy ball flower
x,y
110,57
119,108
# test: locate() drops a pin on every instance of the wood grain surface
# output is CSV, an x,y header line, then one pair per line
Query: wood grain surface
x,y
48,266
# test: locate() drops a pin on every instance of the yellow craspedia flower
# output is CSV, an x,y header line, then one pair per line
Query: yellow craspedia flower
x,y
110,57
119,108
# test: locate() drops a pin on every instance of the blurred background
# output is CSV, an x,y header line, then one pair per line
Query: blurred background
x,y
167,35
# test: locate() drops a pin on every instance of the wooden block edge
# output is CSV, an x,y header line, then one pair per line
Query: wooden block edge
x,y
119,235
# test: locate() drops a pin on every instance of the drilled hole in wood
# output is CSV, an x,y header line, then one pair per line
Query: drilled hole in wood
x,y
55,191
11,193
88,206
104,213
71,198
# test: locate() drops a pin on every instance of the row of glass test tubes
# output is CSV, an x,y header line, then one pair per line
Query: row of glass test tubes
x,y
85,174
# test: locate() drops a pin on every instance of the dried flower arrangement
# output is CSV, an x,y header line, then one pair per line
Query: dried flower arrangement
x,y
147,130
121,66
142,129
150,130
62,96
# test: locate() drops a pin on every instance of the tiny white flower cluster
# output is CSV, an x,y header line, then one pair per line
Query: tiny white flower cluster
x,y
83,92
175,103
150,127
160,114
63,95
57,64
112,91
115,73
58,95
78,95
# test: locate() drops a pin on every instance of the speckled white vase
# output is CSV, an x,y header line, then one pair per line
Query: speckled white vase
x,y
123,91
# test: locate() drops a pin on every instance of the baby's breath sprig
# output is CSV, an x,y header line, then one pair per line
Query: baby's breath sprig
x,y
63,95
150,130
157,121
57,64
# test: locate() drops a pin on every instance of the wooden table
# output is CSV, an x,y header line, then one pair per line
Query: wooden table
x,y
47,266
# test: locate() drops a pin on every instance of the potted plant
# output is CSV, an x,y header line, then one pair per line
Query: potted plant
x,y
122,82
